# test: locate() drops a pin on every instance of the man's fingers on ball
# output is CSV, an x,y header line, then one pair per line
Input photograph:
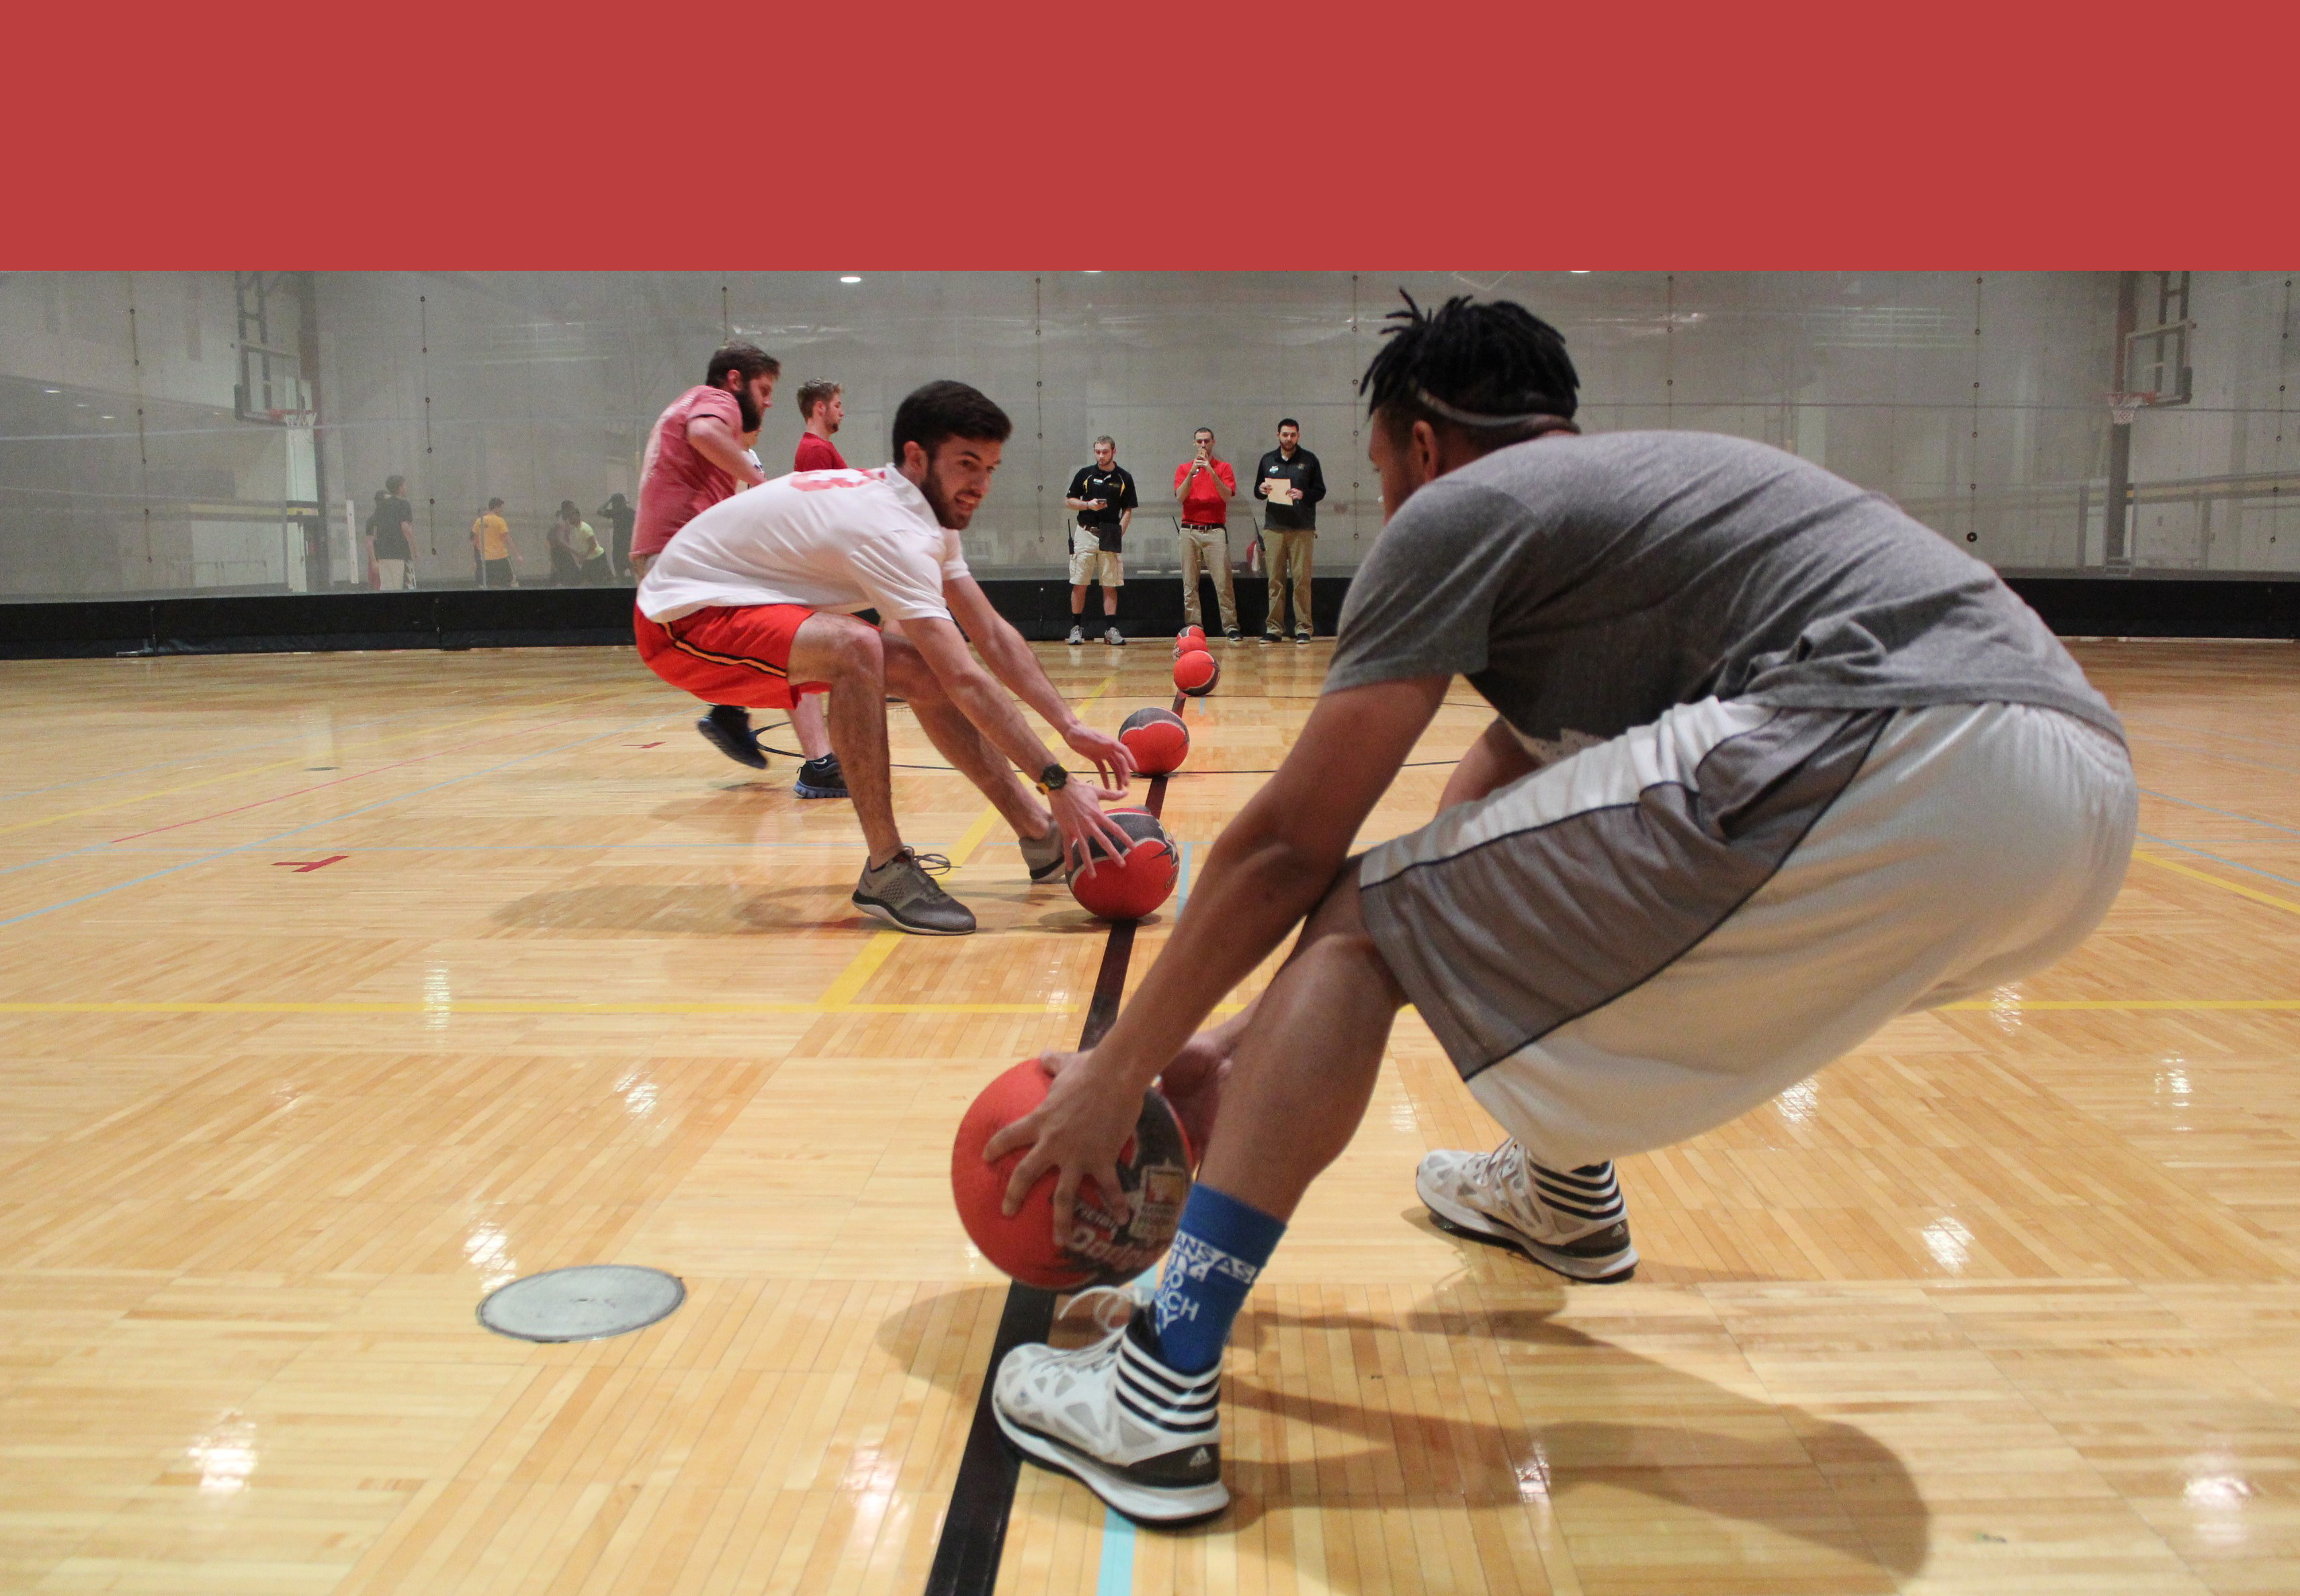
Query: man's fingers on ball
x,y
1017,1187
1113,1195
1065,1205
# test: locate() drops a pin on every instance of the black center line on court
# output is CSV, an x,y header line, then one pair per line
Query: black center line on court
x,y
974,1531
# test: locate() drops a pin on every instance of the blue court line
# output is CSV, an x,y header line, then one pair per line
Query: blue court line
x,y
1182,887
2164,842
278,837
2231,814
1116,1577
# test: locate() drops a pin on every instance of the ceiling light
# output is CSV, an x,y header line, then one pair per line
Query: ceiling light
x,y
51,390
850,279
1577,274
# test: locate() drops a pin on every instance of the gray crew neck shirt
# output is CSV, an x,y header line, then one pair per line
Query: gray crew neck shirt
x,y
1585,585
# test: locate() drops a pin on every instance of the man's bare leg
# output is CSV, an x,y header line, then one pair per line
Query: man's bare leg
x,y
846,653
807,722
1303,1072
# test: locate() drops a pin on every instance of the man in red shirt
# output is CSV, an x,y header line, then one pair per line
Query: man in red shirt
x,y
695,456
1203,484
822,406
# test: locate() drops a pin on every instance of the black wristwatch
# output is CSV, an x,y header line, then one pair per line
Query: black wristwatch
x,y
1051,778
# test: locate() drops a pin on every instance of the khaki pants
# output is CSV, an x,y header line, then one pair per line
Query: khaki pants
x,y
391,576
1289,554
1207,547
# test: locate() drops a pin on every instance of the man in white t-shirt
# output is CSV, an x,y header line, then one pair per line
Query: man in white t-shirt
x,y
754,604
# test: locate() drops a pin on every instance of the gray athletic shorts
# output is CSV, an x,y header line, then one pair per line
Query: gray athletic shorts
x,y
1650,937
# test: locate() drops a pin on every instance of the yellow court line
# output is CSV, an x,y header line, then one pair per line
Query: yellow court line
x,y
193,786
2287,904
515,1006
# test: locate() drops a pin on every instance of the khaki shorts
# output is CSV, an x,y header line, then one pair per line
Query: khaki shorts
x,y
1091,563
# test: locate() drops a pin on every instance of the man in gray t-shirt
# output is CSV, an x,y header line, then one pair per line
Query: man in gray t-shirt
x,y
1772,763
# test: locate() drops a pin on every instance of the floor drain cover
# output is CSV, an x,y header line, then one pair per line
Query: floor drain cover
x,y
583,1303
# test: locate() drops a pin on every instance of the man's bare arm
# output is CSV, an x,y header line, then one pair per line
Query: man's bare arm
x,y
1272,864
716,441
1011,661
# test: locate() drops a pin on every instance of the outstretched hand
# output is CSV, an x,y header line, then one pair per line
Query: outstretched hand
x,y
1078,815
1078,1130
1113,760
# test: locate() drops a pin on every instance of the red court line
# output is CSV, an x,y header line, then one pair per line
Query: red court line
x,y
323,785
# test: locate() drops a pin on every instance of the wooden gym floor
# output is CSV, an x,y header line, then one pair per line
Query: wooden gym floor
x,y
335,990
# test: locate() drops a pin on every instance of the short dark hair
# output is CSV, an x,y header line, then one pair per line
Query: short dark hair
x,y
946,409
495,504
749,359
814,391
1286,422
392,484
1496,370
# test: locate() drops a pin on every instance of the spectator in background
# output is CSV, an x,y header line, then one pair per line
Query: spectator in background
x,y
1290,480
1203,485
1103,494
387,547
594,570
618,513
822,404
566,567
491,547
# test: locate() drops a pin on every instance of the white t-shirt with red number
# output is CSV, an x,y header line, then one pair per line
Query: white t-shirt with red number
x,y
836,541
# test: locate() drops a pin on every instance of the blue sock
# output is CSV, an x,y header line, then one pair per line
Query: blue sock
x,y
1219,1248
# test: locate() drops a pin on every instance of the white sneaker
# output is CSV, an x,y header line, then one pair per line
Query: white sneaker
x,y
1144,1438
1574,1222
1077,639
1114,637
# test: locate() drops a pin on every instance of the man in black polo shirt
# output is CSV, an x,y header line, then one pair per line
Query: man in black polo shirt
x,y
1103,494
388,543
1289,482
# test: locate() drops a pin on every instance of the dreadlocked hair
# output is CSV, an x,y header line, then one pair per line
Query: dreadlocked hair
x,y
1496,371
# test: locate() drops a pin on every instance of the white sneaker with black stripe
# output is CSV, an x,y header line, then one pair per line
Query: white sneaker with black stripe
x,y
1143,1437
1572,1221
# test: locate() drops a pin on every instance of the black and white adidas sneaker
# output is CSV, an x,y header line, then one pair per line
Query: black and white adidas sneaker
x,y
1570,1220
1141,1436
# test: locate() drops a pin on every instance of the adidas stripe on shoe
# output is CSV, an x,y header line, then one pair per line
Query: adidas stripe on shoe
x,y
1142,1436
1572,1221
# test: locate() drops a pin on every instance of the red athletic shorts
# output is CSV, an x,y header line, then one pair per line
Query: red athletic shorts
x,y
727,656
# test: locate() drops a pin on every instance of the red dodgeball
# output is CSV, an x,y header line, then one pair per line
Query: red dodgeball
x,y
1195,673
1153,1168
1128,888
1188,644
1157,739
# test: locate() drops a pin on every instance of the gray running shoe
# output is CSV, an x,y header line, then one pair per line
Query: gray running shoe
x,y
1114,637
1077,639
1570,1220
902,893
1045,856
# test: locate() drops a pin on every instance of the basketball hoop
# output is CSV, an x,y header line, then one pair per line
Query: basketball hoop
x,y
2123,407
